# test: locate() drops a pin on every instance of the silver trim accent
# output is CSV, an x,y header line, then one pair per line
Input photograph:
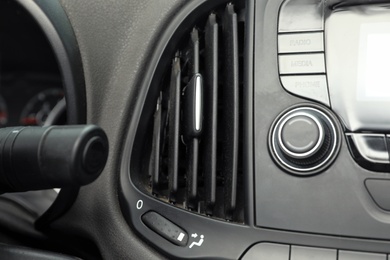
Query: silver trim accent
x,y
198,102
366,152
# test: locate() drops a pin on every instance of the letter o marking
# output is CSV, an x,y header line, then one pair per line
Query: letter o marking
x,y
139,204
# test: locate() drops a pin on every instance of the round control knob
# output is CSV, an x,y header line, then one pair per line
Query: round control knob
x,y
304,140
301,135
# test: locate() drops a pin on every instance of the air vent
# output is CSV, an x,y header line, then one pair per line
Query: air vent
x,y
195,143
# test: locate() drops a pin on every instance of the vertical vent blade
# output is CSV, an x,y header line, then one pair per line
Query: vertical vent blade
x,y
193,142
211,106
194,59
192,173
155,158
174,129
231,109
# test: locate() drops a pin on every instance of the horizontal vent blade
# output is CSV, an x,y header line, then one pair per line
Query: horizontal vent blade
x,y
211,112
231,109
174,129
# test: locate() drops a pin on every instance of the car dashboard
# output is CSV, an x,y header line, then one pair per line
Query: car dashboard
x,y
252,129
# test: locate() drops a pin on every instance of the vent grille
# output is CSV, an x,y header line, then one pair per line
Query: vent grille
x,y
196,144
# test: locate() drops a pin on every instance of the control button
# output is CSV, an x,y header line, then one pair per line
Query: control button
x,y
314,87
349,255
311,253
266,251
380,192
301,135
301,15
165,228
302,63
301,42
371,147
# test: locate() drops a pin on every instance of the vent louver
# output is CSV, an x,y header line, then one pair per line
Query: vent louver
x,y
196,138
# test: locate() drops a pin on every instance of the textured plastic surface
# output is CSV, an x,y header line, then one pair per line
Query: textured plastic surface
x,y
265,251
311,253
348,255
21,253
380,192
119,45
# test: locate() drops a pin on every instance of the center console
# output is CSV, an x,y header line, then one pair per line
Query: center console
x,y
328,121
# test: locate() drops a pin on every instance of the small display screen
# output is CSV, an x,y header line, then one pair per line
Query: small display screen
x,y
374,62
357,46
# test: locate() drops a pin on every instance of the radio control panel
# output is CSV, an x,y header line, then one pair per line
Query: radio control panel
x,y
339,57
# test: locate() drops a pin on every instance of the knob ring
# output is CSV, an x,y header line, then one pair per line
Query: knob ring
x,y
325,117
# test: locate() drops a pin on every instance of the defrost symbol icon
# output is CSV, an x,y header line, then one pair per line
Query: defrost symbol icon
x,y
199,243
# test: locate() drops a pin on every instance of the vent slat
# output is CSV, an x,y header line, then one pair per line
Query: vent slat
x,y
174,129
193,142
231,109
210,118
155,158
194,59
192,171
